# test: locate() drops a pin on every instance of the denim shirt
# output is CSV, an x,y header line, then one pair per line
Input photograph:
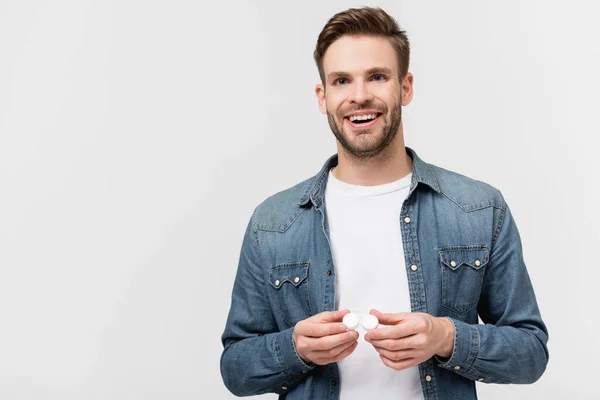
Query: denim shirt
x,y
463,260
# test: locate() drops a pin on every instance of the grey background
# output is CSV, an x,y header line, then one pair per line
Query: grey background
x,y
137,137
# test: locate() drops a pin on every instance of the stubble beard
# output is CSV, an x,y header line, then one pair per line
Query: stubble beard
x,y
367,149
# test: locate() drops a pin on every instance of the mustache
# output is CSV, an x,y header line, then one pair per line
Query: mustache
x,y
377,109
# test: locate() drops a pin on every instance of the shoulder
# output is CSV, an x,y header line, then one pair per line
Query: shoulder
x,y
278,211
468,193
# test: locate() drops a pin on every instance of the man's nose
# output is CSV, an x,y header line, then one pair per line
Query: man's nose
x,y
361,93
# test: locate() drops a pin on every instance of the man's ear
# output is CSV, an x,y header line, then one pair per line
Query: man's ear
x,y
320,91
407,88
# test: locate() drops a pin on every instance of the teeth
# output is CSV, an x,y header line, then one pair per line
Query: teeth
x,y
362,117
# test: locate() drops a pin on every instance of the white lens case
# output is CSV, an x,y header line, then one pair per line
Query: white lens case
x,y
367,321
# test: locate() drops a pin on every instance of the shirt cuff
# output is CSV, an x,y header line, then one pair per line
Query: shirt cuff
x,y
464,352
287,356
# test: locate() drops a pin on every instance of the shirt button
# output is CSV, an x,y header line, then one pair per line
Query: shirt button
x,y
329,272
413,267
477,262
284,387
457,367
407,220
297,280
453,263
480,379
428,378
277,282
333,383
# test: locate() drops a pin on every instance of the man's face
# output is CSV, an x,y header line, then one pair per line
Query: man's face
x,y
361,80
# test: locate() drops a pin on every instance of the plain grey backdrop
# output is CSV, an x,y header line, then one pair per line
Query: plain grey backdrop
x,y
136,138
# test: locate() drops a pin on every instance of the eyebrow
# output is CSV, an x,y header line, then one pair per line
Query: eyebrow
x,y
370,71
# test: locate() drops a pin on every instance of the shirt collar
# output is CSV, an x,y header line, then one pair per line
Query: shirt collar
x,y
422,173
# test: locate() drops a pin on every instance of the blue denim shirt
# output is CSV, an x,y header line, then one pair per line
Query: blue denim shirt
x,y
463,240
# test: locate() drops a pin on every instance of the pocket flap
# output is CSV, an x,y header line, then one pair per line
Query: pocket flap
x,y
295,273
454,257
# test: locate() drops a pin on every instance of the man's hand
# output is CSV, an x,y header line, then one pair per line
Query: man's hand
x,y
323,338
411,339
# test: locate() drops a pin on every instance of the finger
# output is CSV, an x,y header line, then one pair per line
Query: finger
x,y
398,365
340,356
329,316
390,318
346,352
334,351
331,341
396,355
391,332
317,329
393,344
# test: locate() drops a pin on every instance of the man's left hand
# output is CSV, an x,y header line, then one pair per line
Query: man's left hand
x,y
411,338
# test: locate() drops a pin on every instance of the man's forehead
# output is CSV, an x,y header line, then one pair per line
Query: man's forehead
x,y
359,54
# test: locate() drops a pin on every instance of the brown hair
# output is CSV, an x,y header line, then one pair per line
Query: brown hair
x,y
363,21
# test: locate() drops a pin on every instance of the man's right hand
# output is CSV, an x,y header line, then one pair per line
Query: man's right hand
x,y
324,339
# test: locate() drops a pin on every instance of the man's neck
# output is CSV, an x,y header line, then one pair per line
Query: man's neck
x,y
391,165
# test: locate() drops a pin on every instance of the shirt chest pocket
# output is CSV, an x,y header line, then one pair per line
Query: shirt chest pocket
x,y
463,268
288,287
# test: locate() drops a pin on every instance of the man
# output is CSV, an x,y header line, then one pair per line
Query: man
x,y
379,231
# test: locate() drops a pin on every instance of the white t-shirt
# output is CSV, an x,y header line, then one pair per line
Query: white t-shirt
x,y
368,255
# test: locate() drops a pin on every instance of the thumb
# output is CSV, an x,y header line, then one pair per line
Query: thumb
x,y
390,318
330,316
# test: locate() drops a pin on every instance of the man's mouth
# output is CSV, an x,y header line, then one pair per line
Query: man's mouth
x,y
363,121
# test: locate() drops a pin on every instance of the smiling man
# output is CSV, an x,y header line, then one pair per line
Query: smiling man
x,y
380,233
363,94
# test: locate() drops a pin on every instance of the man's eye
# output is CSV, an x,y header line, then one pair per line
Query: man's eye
x,y
381,77
340,81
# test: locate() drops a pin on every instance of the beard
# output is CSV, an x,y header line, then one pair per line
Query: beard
x,y
363,143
